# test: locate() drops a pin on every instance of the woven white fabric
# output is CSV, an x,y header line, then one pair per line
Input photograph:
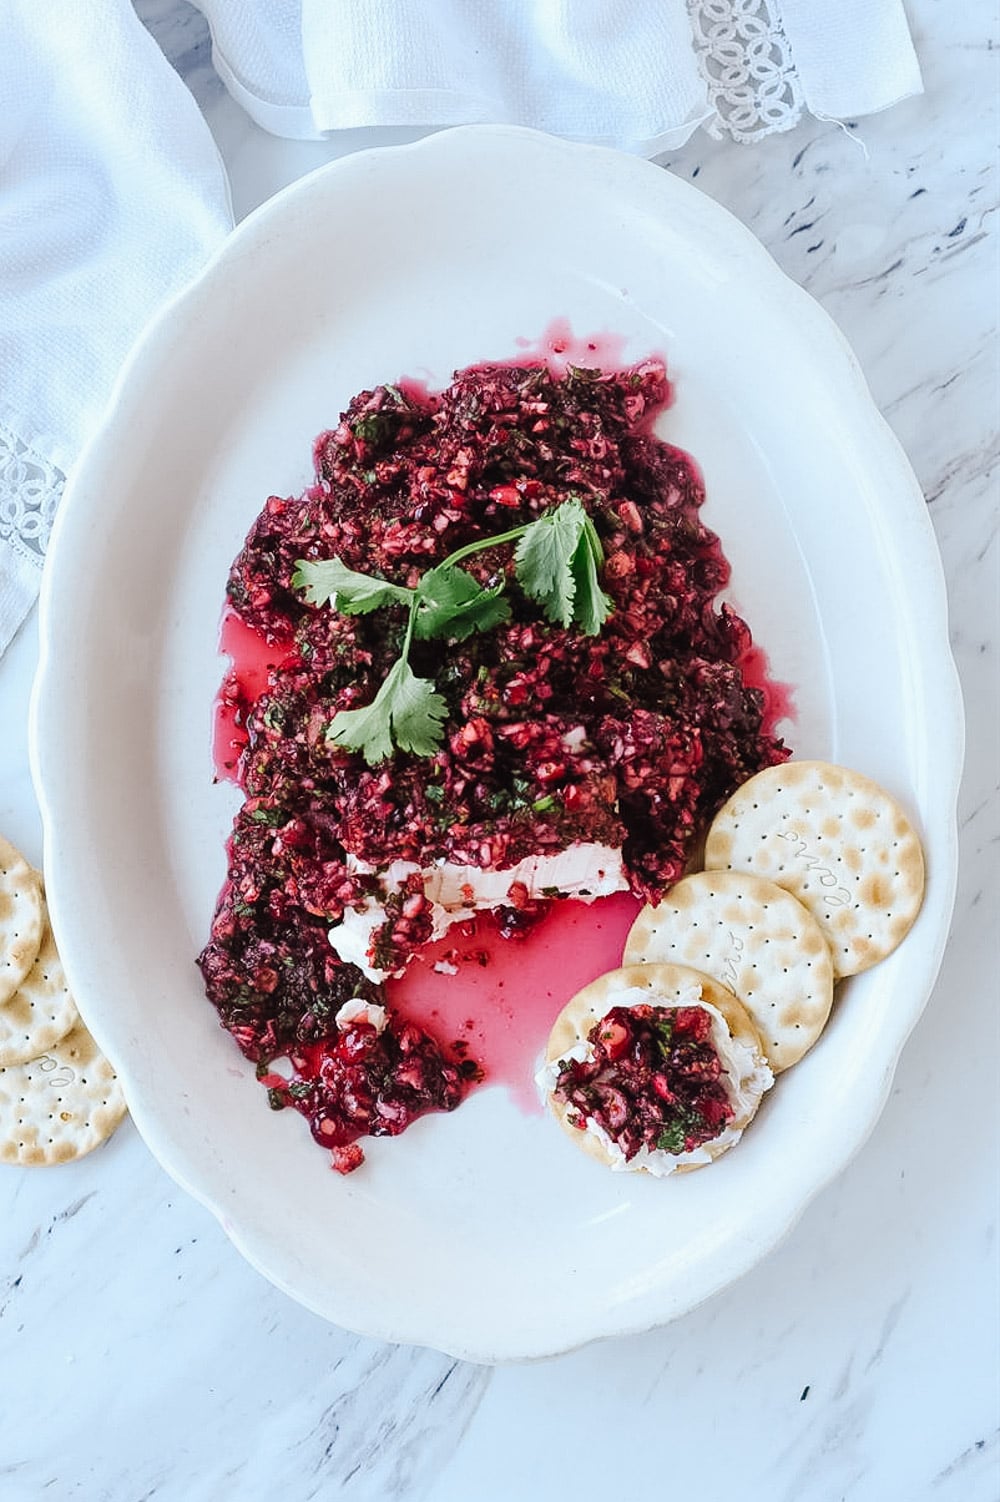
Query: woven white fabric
x,y
639,74
111,196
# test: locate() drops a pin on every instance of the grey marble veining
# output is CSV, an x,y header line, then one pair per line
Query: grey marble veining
x,y
143,1358
184,38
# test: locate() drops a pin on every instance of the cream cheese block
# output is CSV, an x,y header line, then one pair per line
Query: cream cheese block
x,y
583,870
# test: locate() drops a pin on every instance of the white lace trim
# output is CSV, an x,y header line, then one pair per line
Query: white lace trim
x,y
746,62
30,487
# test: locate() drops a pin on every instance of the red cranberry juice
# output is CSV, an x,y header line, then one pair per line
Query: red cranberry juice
x,y
508,992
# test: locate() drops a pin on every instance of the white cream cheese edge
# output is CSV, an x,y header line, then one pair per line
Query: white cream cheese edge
x,y
584,870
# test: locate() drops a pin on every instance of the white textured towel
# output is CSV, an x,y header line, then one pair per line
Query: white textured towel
x,y
640,74
112,193
111,196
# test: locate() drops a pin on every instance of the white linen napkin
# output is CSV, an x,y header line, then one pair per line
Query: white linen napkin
x,y
639,74
112,194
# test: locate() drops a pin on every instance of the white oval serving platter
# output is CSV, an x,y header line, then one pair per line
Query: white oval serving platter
x,y
482,1233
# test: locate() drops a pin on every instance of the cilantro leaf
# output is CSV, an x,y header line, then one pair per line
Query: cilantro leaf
x,y
665,1031
451,603
544,559
418,713
672,1138
406,714
592,606
558,559
374,427
331,581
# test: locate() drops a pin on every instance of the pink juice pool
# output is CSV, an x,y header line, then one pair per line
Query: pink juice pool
x,y
559,347
779,698
251,658
508,992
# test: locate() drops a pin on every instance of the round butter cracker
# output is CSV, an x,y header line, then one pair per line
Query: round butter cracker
x,y
21,918
60,1106
835,840
41,1011
754,937
668,985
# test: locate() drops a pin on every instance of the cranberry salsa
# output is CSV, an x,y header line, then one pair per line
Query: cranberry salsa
x,y
653,1080
367,1079
468,724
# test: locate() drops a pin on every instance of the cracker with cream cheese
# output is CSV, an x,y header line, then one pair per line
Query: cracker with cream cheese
x,y
664,985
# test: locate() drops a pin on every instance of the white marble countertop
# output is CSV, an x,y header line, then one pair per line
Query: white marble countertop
x,y
142,1358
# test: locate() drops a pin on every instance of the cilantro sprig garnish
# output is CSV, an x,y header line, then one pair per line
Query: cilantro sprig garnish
x,y
557,563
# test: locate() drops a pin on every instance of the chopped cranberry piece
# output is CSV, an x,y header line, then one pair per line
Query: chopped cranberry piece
x,y
347,1159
